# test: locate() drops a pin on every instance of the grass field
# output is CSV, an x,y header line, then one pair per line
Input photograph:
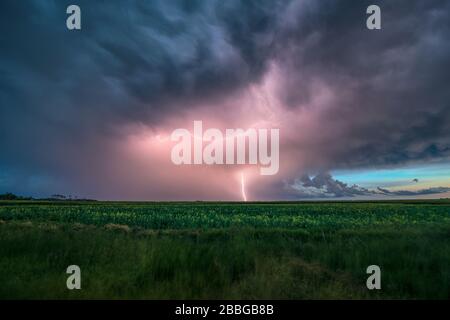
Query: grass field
x,y
315,250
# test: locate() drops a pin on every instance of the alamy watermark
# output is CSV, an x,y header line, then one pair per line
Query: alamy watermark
x,y
74,280
374,280
73,21
235,146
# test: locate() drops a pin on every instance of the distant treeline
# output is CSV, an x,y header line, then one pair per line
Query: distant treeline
x,y
12,196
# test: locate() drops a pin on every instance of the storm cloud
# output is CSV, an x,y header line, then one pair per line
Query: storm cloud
x,y
323,185
344,97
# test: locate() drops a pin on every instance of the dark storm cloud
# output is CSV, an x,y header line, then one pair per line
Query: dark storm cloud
x,y
132,58
324,185
434,190
65,94
392,100
62,92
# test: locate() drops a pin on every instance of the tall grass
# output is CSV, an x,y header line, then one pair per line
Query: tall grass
x,y
247,263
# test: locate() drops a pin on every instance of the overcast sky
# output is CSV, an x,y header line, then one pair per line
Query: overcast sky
x,y
89,112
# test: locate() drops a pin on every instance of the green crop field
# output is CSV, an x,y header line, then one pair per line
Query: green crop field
x,y
157,250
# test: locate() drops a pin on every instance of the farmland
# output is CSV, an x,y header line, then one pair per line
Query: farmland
x,y
180,250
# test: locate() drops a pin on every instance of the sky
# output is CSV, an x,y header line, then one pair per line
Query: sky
x,y
89,113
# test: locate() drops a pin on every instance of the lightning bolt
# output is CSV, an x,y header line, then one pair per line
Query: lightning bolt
x,y
244,196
